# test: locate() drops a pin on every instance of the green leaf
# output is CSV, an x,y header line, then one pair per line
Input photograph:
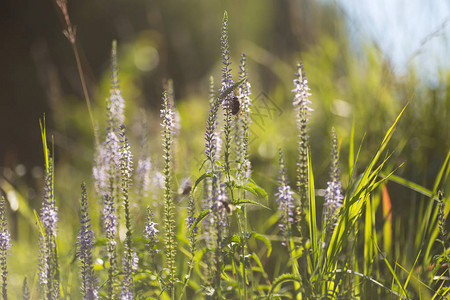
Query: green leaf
x,y
409,184
258,262
255,189
44,142
200,179
236,239
369,279
412,269
225,93
280,280
202,215
438,179
246,201
264,239
313,231
395,278
351,154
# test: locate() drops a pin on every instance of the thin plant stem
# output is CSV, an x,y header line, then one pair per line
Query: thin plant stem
x,y
70,33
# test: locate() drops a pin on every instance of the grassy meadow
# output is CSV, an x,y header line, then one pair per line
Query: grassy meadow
x,y
314,174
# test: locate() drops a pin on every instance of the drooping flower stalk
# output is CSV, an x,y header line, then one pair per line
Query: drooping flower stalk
x,y
5,247
168,126
301,105
89,287
333,194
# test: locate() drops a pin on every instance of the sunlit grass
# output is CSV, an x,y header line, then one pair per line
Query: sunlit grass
x,y
233,248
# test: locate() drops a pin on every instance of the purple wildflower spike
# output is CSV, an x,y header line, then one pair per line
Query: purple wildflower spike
x,y
84,250
284,198
5,246
333,194
301,105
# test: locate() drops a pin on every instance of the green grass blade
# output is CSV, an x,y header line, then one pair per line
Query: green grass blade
x,y
409,184
367,278
351,150
200,179
368,238
202,215
433,226
280,280
412,269
394,275
313,231
442,171
246,201
225,93
44,142
381,148
263,239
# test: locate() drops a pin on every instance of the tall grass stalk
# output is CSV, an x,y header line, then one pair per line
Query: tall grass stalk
x,y
71,33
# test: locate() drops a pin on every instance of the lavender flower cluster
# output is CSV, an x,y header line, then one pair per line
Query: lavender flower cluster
x,y
284,198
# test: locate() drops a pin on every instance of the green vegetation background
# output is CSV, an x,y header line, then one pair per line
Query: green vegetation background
x,y
159,40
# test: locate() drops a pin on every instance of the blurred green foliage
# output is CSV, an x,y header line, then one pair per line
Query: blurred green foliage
x,y
180,40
